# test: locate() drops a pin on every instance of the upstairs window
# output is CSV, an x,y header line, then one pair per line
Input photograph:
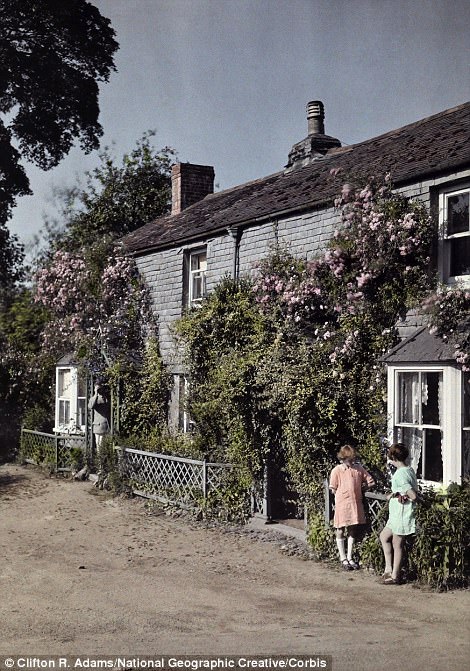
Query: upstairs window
x,y
456,235
197,267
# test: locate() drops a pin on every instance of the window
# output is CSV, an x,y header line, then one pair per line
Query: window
x,y
64,393
428,409
419,421
185,423
71,401
466,426
197,276
455,213
81,403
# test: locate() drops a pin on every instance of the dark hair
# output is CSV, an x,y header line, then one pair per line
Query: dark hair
x,y
398,452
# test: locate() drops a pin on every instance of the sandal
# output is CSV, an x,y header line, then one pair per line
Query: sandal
x,y
354,565
346,565
391,581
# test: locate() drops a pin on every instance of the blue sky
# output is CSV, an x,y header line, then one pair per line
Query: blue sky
x,y
226,82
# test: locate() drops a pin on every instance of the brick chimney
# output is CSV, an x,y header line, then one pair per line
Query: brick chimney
x,y
190,183
316,144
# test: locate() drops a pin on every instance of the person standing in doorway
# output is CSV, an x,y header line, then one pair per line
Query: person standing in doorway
x,y
100,405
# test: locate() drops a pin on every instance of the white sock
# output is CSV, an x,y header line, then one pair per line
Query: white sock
x,y
350,547
340,544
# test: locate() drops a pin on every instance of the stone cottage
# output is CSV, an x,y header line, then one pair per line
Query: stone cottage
x,y
207,235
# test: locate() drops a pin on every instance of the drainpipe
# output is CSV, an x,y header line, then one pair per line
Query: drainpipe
x,y
236,234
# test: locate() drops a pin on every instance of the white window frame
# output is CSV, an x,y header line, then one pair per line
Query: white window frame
x,y
196,274
185,423
76,423
465,431
452,413
445,239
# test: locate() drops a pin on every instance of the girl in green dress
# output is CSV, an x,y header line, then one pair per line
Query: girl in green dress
x,y
401,513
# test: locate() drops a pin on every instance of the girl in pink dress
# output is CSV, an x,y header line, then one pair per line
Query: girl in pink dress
x,y
348,481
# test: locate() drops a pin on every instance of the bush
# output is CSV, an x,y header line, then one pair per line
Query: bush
x,y
110,475
321,537
439,554
161,441
231,501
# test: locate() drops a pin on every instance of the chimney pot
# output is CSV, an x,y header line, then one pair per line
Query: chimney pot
x,y
316,144
315,117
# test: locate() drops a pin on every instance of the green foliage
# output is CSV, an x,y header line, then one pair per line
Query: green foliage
x,y
110,475
116,199
11,261
161,441
39,417
77,458
224,340
229,322
321,537
52,57
22,320
25,373
230,502
144,387
439,554
288,367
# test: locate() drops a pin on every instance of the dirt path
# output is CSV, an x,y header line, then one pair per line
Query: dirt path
x,y
83,573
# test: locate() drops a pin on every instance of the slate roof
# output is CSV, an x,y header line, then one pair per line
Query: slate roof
x,y
436,145
422,346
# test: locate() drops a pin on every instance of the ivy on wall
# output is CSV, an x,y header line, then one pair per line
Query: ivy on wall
x,y
288,362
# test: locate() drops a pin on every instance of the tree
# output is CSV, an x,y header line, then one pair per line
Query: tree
x,y
83,280
25,374
116,199
95,302
53,53
11,259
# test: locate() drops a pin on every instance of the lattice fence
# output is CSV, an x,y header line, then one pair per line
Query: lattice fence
x,y
171,479
52,450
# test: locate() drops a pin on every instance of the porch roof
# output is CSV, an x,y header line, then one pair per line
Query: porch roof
x,y
68,359
421,347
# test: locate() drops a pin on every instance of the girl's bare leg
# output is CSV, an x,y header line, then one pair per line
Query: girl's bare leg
x,y
398,542
386,537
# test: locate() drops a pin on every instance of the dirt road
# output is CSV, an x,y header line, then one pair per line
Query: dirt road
x,y
83,573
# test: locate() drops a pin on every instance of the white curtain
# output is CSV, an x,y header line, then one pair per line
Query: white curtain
x,y
415,447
